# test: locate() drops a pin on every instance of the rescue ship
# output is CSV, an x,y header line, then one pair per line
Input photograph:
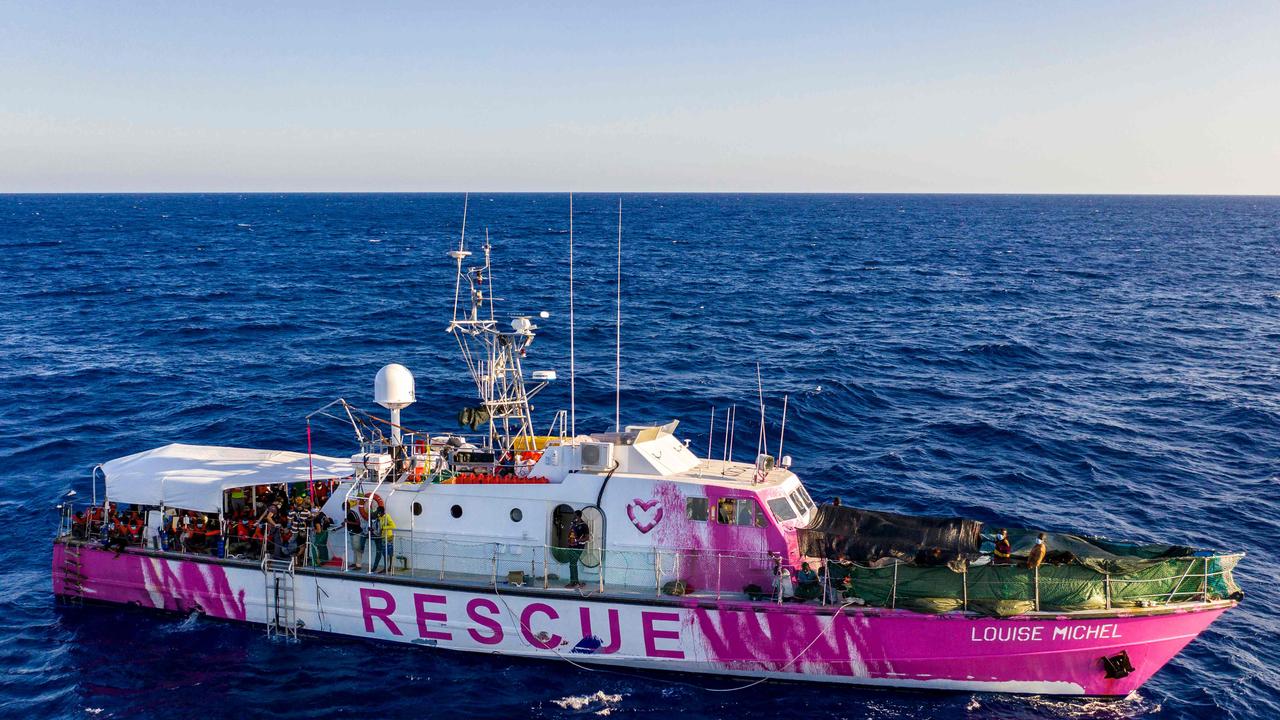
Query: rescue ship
x,y
705,565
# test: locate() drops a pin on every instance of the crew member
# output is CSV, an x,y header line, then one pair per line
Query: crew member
x,y
1004,551
579,536
1036,556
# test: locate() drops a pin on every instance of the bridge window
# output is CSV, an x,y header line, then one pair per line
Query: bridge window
x,y
801,500
743,512
695,508
782,509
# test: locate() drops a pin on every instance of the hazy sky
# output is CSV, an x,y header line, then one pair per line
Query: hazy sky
x,y
1161,97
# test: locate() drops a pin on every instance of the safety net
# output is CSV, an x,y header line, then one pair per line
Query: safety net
x,y
944,564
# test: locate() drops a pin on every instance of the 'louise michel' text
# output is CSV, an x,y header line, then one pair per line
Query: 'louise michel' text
x,y
1034,633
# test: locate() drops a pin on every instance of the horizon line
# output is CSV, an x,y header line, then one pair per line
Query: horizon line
x,y
639,192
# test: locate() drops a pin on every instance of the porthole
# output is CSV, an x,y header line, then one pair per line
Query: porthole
x,y
516,515
417,508
456,511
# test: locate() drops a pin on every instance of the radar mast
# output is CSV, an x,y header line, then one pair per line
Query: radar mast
x,y
493,356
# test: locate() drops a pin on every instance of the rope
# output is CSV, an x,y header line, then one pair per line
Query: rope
x,y
527,630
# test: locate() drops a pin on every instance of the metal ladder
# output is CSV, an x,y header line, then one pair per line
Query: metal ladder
x,y
72,574
282,609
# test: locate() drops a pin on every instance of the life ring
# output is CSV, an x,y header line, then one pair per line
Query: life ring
x,y
363,503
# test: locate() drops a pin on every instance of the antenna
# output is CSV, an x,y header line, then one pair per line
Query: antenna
x,y
724,451
573,407
783,433
712,431
462,243
617,356
761,440
732,430
488,269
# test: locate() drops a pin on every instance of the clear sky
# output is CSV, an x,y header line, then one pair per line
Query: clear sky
x,y
1072,97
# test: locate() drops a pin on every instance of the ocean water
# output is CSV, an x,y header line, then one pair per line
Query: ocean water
x,y
1100,364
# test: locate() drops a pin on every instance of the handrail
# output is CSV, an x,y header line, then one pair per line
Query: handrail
x,y
718,573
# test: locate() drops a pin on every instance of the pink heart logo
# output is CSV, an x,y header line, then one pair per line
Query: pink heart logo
x,y
649,518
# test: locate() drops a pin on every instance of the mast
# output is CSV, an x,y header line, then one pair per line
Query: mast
x,y
573,405
493,355
617,352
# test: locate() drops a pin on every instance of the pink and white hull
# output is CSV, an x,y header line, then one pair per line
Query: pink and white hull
x,y
1039,653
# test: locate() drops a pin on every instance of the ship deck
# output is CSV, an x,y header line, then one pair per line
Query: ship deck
x,y
615,592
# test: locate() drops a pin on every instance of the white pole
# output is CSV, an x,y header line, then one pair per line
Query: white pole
x,y
573,408
733,426
761,441
724,449
462,243
711,432
617,360
783,433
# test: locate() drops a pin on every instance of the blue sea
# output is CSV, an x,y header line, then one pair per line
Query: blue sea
x,y
1108,365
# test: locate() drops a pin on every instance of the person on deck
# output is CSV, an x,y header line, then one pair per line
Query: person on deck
x,y
838,574
387,531
319,537
1004,551
257,542
783,587
379,528
238,543
1036,557
195,536
579,536
354,525
807,587
724,511
299,522
212,535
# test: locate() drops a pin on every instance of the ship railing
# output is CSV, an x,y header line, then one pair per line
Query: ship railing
x,y
643,570
635,570
1200,578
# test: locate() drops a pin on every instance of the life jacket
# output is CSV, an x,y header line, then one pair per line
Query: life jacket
x,y
1003,548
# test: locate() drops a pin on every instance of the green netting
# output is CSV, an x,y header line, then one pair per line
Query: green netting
x,y
1100,554
1012,589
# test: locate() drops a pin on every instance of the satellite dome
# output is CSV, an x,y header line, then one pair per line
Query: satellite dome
x,y
393,387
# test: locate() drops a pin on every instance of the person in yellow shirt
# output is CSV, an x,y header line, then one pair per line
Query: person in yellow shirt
x,y
382,528
389,533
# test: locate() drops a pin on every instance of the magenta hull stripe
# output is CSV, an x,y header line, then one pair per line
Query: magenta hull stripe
x,y
1059,655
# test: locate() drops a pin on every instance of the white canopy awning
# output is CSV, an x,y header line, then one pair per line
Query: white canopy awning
x,y
193,477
